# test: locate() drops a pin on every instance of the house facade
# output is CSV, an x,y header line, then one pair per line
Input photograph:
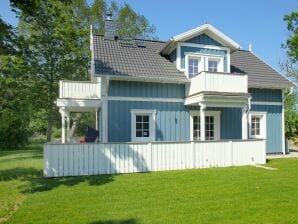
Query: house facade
x,y
197,86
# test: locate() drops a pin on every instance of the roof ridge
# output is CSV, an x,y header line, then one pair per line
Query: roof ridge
x,y
125,38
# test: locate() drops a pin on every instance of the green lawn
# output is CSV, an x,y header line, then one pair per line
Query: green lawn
x,y
216,195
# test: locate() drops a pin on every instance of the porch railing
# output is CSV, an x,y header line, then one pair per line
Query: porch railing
x,y
218,82
110,158
79,89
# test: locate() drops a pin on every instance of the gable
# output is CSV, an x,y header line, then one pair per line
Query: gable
x,y
203,39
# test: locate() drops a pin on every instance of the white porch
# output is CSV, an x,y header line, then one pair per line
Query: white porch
x,y
219,90
77,96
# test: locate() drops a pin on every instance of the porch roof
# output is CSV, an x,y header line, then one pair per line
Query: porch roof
x,y
79,105
218,99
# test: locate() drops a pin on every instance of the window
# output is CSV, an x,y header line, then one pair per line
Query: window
x,y
257,124
142,125
212,125
193,67
209,127
196,128
196,63
212,65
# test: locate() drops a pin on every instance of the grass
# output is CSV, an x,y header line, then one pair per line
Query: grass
x,y
216,195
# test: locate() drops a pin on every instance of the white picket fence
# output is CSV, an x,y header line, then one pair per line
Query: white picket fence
x,y
111,158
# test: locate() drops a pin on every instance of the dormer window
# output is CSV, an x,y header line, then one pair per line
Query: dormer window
x,y
213,65
193,67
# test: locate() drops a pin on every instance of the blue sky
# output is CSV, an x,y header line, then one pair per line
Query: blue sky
x,y
259,22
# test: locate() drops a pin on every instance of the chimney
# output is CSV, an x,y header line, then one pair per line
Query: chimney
x,y
110,28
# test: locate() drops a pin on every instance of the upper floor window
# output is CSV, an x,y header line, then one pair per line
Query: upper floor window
x,y
193,66
213,65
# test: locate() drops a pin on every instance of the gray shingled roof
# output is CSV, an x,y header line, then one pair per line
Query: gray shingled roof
x,y
125,58
259,73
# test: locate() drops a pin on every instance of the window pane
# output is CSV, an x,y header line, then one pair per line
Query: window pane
x,y
195,70
195,62
145,133
138,133
138,118
193,65
146,126
139,126
195,118
146,118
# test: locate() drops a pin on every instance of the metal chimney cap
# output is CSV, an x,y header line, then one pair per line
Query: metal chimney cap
x,y
109,16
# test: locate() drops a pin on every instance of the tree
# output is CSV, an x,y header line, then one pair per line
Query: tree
x,y
290,67
53,44
292,41
56,50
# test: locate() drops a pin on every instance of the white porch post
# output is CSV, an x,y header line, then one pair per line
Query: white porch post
x,y
202,121
96,119
62,112
67,114
244,122
104,120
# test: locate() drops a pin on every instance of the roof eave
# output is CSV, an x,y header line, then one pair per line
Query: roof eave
x,y
144,79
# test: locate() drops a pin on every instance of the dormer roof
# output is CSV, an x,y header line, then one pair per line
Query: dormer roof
x,y
208,29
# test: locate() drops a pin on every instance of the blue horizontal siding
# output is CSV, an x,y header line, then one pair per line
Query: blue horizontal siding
x,y
146,89
205,51
273,127
269,95
172,120
203,39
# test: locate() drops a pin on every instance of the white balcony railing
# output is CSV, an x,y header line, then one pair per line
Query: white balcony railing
x,y
218,82
79,90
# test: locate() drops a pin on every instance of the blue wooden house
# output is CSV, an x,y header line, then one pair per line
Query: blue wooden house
x,y
197,86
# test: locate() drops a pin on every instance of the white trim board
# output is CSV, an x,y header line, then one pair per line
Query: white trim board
x,y
266,103
185,44
145,99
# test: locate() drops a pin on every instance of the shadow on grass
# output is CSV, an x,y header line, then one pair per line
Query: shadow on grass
x,y
35,182
127,221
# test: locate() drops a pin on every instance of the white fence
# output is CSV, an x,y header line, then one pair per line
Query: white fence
x,y
91,159
219,82
79,89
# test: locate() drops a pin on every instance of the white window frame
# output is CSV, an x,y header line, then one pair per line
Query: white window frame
x,y
220,65
152,121
263,123
200,62
215,114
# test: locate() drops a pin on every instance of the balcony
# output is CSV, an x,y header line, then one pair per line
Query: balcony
x,y
218,90
218,82
79,90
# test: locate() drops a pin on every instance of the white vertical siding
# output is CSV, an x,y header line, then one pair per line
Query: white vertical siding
x,y
79,89
110,158
219,82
